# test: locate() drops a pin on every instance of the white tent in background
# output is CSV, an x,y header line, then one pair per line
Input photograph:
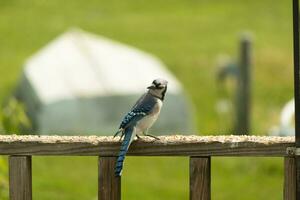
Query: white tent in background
x,y
287,125
83,83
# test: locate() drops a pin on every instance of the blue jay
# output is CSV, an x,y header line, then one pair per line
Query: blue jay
x,y
140,118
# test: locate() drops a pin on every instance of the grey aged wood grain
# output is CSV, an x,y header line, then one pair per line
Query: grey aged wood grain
x,y
166,146
20,182
109,186
289,178
200,186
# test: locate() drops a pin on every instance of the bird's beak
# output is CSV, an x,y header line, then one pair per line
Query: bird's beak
x,y
151,87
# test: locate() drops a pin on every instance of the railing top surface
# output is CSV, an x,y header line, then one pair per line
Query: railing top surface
x,y
178,139
175,145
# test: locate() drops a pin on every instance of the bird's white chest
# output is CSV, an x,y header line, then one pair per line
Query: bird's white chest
x,y
149,120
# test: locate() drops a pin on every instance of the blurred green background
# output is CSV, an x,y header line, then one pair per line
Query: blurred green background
x,y
187,35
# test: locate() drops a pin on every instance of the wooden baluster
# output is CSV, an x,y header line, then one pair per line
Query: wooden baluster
x,y
20,181
200,178
289,191
109,185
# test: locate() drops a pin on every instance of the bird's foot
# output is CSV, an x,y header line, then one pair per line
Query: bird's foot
x,y
152,136
121,137
118,132
138,137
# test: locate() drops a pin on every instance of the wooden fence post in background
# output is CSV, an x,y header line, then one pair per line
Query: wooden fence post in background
x,y
243,101
200,178
296,32
289,191
109,186
20,181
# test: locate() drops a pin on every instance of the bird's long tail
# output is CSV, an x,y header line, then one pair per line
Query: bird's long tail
x,y
123,150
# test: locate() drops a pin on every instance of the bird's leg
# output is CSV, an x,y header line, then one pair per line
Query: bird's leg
x,y
138,137
149,135
117,133
122,135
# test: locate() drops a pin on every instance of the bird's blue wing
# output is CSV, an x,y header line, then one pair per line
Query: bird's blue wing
x,y
142,108
134,116
131,119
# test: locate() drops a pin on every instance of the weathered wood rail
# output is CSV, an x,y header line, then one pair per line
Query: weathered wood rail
x,y
20,149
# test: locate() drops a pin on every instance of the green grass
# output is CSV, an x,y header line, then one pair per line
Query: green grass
x,y
187,35
70,178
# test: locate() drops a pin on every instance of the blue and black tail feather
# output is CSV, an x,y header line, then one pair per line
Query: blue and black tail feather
x,y
123,150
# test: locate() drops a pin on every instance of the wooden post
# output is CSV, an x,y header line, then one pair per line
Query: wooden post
x,y
20,181
109,185
296,89
289,191
200,178
243,98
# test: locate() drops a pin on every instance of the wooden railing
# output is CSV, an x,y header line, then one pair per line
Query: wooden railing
x,y
200,150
